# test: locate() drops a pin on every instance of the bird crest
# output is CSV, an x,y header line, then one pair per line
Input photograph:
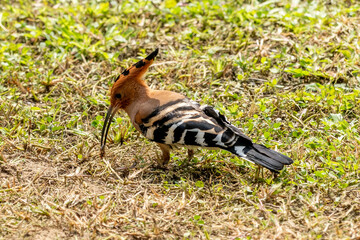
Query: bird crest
x,y
137,70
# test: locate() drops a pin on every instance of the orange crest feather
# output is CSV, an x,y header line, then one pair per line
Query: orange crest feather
x,y
138,69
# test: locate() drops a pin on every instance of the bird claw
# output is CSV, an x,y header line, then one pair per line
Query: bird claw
x,y
160,167
102,153
125,171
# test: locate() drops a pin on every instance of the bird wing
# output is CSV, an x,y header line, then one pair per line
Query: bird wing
x,y
221,120
185,122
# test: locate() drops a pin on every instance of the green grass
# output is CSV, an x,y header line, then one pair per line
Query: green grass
x,y
285,72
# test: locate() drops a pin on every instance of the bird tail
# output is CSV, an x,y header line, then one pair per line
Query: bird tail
x,y
263,156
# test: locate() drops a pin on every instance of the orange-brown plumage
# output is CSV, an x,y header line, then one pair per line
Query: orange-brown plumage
x,y
171,119
137,99
132,94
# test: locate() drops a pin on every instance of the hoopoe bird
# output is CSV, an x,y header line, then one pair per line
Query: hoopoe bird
x,y
170,119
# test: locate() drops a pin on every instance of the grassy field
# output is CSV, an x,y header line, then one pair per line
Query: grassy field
x,y
285,72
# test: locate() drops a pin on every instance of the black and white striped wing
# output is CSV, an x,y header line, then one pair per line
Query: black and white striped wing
x,y
184,122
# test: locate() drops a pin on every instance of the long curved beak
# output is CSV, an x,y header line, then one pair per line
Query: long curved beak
x,y
109,116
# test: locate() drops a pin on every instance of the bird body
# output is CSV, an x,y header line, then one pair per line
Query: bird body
x,y
170,119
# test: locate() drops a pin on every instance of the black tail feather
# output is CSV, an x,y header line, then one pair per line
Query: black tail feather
x,y
265,157
273,154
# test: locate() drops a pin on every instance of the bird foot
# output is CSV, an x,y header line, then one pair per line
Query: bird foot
x,y
159,167
125,171
187,161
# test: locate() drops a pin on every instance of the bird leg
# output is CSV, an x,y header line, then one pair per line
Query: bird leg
x,y
257,172
188,159
166,155
190,154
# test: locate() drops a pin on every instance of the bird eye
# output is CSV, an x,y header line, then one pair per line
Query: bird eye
x,y
118,95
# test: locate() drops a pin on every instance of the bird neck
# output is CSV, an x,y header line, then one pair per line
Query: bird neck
x,y
139,94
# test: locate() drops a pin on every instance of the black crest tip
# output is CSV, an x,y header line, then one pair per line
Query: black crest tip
x,y
139,64
126,72
152,55
116,78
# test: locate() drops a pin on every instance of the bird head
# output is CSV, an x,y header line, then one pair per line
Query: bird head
x,y
124,91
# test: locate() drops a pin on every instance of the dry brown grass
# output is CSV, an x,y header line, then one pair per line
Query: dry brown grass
x,y
53,185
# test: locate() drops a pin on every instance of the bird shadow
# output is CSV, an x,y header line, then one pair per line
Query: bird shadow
x,y
207,172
